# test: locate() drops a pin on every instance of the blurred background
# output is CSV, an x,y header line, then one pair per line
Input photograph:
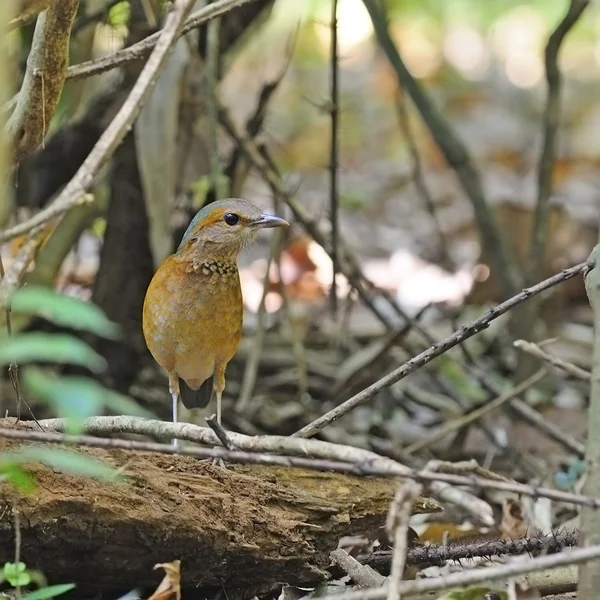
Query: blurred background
x,y
406,216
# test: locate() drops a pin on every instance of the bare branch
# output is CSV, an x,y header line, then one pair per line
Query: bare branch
x,y
551,122
334,155
75,190
439,348
144,47
590,520
397,528
334,457
44,78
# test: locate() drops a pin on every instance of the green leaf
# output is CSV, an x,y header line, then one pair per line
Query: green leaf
x,y
16,574
63,310
68,461
49,591
77,398
55,348
17,476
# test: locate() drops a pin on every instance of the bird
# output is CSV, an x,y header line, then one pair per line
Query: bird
x,y
193,309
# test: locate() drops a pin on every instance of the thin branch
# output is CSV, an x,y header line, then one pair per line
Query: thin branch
x,y
539,234
143,48
418,176
590,520
397,529
334,155
455,153
334,457
474,576
74,192
567,367
44,79
440,348
212,111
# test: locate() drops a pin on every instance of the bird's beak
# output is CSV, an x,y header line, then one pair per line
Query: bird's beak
x,y
268,221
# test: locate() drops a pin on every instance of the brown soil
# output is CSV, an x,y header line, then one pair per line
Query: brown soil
x,y
245,529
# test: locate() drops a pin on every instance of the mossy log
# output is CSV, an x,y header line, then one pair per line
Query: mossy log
x,y
245,529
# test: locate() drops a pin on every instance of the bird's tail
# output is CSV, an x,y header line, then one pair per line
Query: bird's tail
x,y
196,398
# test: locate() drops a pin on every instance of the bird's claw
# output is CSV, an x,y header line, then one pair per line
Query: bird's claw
x,y
216,461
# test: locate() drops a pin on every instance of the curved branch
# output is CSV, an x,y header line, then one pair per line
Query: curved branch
x,y
44,78
455,153
551,122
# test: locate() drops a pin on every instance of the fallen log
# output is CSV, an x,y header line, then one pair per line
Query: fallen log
x,y
245,529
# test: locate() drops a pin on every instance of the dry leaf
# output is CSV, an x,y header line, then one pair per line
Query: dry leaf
x,y
170,586
513,524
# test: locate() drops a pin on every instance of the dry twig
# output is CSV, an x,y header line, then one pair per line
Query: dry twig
x,y
397,529
362,575
559,363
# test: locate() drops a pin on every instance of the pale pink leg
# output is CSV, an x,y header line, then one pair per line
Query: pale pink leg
x,y
174,389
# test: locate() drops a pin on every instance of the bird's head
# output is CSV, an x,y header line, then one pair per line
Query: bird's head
x,y
225,227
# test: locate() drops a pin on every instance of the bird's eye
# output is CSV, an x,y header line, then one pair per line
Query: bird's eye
x,y
231,218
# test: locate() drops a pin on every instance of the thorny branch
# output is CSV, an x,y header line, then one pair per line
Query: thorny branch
x,y
457,550
44,78
255,450
109,141
440,348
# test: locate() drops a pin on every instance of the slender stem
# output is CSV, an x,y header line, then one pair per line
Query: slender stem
x,y
334,155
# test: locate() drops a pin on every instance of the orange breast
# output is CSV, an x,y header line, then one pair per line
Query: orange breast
x,y
192,316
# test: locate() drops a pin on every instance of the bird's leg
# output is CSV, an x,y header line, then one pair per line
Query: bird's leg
x,y
174,389
219,396
219,386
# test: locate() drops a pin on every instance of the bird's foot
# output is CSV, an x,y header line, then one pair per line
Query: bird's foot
x,y
215,461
